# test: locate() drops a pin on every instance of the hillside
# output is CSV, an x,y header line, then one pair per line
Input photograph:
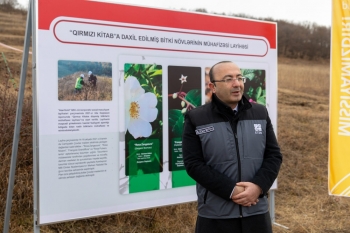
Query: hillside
x,y
302,201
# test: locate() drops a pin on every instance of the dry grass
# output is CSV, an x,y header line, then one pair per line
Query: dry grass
x,y
22,201
304,76
11,26
302,200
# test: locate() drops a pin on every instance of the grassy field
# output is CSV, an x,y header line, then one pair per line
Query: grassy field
x,y
302,201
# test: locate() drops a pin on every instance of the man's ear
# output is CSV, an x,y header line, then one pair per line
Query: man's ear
x,y
212,87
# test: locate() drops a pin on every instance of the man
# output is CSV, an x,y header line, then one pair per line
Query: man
x,y
79,83
233,157
92,80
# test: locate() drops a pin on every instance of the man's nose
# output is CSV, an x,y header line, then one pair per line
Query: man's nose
x,y
235,83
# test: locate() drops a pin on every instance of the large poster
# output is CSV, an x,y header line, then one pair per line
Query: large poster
x,y
112,90
339,118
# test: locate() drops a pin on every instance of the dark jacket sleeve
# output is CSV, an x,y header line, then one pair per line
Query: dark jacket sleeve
x,y
209,178
271,164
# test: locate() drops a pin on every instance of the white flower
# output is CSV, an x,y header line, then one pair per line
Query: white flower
x,y
175,95
183,103
183,110
183,79
140,108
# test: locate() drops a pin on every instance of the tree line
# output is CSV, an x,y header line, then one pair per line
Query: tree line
x,y
303,40
12,3
306,40
11,6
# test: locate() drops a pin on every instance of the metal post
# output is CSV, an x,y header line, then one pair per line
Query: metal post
x,y
18,121
272,209
36,227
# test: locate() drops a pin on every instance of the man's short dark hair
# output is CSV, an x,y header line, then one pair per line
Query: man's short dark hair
x,y
211,75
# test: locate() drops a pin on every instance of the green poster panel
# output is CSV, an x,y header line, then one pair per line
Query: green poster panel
x,y
144,157
143,183
143,119
181,179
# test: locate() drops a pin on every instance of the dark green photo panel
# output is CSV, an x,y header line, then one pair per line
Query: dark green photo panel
x,y
184,88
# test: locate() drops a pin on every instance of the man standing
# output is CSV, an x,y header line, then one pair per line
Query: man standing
x,y
231,151
92,80
79,83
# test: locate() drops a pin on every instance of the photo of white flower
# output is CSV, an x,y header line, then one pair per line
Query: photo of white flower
x,y
140,108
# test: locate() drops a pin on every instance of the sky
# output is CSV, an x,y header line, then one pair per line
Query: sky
x,y
296,11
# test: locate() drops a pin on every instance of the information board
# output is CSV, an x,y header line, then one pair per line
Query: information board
x,y
113,84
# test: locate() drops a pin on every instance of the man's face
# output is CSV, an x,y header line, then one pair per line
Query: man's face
x,y
228,92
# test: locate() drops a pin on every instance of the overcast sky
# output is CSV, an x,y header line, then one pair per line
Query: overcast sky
x,y
296,11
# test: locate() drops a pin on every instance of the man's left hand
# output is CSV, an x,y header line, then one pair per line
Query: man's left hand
x,y
249,196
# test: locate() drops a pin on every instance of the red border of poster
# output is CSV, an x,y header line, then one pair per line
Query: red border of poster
x,y
51,9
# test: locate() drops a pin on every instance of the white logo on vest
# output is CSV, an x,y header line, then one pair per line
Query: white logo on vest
x,y
205,130
257,128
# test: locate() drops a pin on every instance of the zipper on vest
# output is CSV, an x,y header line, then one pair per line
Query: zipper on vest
x,y
238,156
234,130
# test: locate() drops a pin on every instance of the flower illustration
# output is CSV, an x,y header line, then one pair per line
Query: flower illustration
x,y
140,108
183,79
